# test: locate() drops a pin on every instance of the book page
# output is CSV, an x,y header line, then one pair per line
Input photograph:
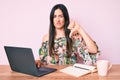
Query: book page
x,y
85,66
77,70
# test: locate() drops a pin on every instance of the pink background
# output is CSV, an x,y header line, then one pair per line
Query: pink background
x,y
24,22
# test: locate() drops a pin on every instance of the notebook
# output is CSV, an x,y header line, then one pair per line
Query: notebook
x,y
78,69
22,60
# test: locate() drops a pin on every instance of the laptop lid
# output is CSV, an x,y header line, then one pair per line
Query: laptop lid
x,y
22,60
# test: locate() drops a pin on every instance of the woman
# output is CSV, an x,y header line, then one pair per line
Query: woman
x,y
66,43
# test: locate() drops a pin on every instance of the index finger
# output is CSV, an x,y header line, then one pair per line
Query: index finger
x,y
71,25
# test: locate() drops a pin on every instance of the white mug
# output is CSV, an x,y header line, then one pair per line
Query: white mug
x,y
103,67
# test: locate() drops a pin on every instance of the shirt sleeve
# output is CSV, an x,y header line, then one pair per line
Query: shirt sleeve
x,y
80,48
43,51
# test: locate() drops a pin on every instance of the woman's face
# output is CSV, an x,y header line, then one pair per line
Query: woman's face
x,y
58,19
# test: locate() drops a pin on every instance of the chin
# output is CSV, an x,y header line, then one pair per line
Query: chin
x,y
59,27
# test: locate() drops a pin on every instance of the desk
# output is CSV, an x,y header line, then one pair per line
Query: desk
x,y
7,74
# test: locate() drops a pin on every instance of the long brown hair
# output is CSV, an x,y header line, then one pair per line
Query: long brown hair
x,y
52,30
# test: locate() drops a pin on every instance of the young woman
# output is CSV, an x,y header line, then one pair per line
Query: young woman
x,y
66,43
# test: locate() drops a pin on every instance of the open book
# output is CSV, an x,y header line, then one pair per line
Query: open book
x,y
79,69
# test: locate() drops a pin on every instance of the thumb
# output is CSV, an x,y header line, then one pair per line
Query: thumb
x,y
71,33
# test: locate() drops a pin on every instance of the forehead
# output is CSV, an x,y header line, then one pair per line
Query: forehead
x,y
58,12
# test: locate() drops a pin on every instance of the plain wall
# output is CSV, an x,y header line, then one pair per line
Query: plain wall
x,y
24,22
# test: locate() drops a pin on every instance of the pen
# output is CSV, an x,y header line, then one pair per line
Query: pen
x,y
81,68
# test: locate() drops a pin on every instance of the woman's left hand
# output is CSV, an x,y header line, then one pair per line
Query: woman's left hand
x,y
75,28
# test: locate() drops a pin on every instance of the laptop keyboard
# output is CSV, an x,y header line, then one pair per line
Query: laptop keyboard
x,y
43,69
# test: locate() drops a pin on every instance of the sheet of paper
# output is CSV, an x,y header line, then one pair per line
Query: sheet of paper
x,y
85,66
80,70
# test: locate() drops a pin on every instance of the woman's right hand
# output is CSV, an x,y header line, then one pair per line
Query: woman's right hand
x,y
38,63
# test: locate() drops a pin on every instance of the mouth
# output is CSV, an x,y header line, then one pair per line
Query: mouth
x,y
58,23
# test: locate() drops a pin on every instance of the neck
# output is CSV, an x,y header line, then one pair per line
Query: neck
x,y
60,33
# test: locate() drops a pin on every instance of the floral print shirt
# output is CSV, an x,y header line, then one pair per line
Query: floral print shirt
x,y
80,53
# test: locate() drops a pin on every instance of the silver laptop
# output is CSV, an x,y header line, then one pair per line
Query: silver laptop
x,y
22,60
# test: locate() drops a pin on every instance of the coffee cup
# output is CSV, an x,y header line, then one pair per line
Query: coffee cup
x,y
103,66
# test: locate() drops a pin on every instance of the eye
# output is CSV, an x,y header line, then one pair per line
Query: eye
x,y
61,16
54,16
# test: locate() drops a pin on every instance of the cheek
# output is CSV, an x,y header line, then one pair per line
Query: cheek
x,y
54,21
63,21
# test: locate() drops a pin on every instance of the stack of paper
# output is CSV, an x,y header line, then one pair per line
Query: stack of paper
x,y
78,69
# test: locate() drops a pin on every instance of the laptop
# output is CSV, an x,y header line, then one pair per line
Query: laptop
x,y
22,60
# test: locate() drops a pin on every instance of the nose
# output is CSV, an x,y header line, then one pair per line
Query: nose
x,y
57,19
